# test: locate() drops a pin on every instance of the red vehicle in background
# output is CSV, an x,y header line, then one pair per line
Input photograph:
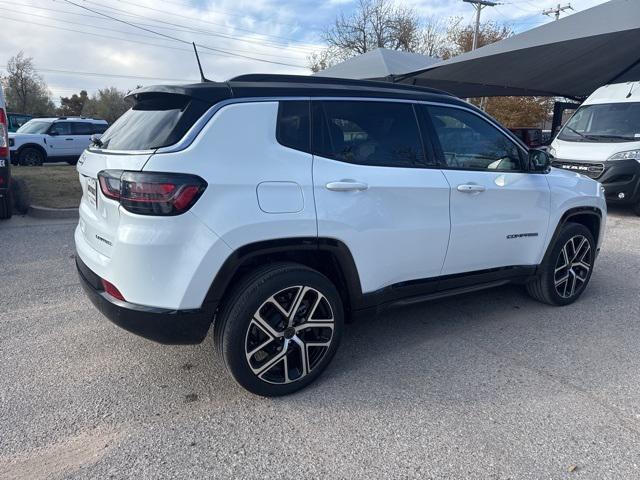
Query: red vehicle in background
x,y
5,196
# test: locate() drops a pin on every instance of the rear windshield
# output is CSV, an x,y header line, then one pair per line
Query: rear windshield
x,y
153,122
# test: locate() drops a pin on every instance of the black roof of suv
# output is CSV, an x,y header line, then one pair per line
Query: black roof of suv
x,y
266,85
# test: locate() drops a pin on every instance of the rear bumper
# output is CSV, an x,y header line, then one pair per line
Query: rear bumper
x,y
172,327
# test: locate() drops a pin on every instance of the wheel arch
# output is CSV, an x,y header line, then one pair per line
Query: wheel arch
x,y
590,217
37,146
330,257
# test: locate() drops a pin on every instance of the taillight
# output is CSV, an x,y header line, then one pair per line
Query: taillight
x,y
152,193
4,135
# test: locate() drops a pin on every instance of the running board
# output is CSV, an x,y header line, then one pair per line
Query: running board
x,y
447,293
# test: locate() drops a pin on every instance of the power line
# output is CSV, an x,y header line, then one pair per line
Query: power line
x,y
181,28
226,12
65,21
173,14
113,75
181,40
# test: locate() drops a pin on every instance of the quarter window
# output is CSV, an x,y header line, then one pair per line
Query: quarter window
x,y
382,134
469,142
293,125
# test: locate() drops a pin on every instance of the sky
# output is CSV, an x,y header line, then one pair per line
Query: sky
x,y
75,46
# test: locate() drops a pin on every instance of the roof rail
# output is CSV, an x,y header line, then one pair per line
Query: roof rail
x,y
275,78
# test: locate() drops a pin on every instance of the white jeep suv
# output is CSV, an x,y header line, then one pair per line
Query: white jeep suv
x,y
277,207
61,139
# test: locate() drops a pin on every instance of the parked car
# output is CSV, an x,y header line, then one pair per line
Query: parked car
x,y
602,141
5,167
277,207
61,139
532,137
16,120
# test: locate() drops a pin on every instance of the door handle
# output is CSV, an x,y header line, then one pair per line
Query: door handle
x,y
346,186
67,139
471,188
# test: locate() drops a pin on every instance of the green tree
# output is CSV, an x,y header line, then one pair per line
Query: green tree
x,y
25,90
72,106
108,104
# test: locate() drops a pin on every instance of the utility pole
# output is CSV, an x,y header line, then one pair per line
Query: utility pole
x,y
557,11
478,5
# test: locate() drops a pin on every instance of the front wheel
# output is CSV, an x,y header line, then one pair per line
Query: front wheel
x,y
31,157
279,328
566,269
636,209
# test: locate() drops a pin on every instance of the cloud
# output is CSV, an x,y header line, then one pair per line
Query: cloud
x,y
63,37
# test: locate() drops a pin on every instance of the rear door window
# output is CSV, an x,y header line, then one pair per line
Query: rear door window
x,y
81,128
155,121
382,134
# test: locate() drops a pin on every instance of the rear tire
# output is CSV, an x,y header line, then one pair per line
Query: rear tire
x,y
5,206
566,269
279,328
21,195
31,157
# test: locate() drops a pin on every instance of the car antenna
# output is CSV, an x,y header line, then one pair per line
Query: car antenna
x,y
202,77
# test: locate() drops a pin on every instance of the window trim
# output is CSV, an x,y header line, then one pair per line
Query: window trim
x,y
440,152
321,101
199,125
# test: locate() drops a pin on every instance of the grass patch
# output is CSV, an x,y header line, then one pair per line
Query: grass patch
x,y
54,186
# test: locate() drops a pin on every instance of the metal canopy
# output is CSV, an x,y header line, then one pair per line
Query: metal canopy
x,y
570,57
379,64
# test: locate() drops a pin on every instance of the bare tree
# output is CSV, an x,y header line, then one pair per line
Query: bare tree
x,y
460,37
374,24
433,37
25,90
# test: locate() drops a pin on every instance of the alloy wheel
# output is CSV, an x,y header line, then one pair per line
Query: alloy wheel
x,y
31,158
573,266
289,335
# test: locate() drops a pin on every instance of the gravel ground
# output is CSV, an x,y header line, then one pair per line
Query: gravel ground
x,y
488,385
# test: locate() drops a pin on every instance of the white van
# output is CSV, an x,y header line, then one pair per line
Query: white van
x,y
602,141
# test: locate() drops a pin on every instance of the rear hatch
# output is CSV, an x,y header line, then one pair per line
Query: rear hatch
x,y
157,119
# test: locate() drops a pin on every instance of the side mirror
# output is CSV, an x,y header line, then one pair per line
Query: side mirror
x,y
53,133
539,161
